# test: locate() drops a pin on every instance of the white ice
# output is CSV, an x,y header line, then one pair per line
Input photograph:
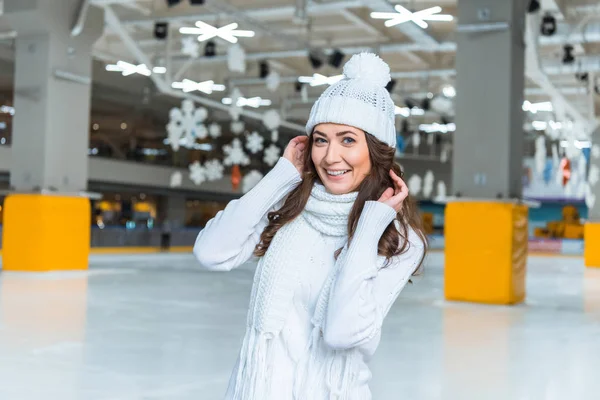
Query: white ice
x,y
157,327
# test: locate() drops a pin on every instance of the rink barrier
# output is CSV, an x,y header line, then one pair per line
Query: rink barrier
x,y
572,247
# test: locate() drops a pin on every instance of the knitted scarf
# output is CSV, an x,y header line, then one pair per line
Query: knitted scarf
x,y
272,297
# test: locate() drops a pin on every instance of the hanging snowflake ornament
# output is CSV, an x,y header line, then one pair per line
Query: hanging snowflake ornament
x,y
250,180
235,154
430,139
254,142
235,111
590,197
190,47
414,185
176,179
186,123
214,130
416,140
213,170
237,127
595,151
201,131
271,119
540,154
197,173
273,81
274,135
236,58
594,175
428,184
441,191
271,155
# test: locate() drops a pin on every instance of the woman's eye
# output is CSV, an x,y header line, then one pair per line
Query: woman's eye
x,y
348,140
319,140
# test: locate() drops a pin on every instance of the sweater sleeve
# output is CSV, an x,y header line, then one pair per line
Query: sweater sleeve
x,y
363,293
228,240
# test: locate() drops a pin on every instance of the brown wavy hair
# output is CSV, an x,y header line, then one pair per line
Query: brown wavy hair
x,y
371,188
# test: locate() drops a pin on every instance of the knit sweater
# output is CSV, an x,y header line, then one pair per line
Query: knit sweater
x,y
314,321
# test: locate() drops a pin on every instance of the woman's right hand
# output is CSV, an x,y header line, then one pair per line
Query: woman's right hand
x,y
294,152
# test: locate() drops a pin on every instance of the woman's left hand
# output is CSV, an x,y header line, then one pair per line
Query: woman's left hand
x,y
394,197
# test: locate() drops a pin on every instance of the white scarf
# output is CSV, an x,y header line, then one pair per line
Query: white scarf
x,y
271,300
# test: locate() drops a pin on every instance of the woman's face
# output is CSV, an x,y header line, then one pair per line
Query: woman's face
x,y
341,157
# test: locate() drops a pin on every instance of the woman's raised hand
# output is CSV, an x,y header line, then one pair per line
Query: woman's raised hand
x,y
294,152
394,197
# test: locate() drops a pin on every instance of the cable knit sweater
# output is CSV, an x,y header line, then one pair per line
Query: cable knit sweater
x,y
314,321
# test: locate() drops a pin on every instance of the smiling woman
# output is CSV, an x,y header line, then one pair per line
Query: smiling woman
x,y
338,239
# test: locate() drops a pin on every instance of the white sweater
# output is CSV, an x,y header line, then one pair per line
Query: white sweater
x,y
360,295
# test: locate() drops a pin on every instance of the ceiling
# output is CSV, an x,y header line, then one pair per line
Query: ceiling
x,y
421,60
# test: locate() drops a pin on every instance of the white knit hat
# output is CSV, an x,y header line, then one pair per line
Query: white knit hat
x,y
360,99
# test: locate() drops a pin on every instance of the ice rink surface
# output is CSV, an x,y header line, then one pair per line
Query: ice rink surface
x,y
157,327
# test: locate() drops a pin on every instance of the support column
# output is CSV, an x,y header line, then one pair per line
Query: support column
x,y
47,221
486,228
591,234
172,210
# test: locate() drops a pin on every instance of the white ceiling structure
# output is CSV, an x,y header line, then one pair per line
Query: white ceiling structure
x,y
421,60
285,31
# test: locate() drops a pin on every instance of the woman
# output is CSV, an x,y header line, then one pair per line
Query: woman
x,y
337,238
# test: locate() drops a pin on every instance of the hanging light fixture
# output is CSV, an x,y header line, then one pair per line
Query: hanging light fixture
x,y
205,32
207,87
419,17
253,102
129,69
318,79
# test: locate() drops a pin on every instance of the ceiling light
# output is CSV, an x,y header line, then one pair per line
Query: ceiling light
x,y
207,87
535,107
254,102
159,70
128,69
318,79
435,127
449,91
206,32
404,15
539,125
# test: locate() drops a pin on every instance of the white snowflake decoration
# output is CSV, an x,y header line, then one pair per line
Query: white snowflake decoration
x,y
238,127
416,140
254,142
214,130
235,154
441,191
414,185
271,155
176,179
540,154
186,123
190,46
214,170
197,173
271,119
250,180
236,58
235,111
595,151
273,80
201,131
430,139
428,184
590,197
594,175
274,135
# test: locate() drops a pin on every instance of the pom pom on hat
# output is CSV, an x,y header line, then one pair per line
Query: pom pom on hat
x,y
368,67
